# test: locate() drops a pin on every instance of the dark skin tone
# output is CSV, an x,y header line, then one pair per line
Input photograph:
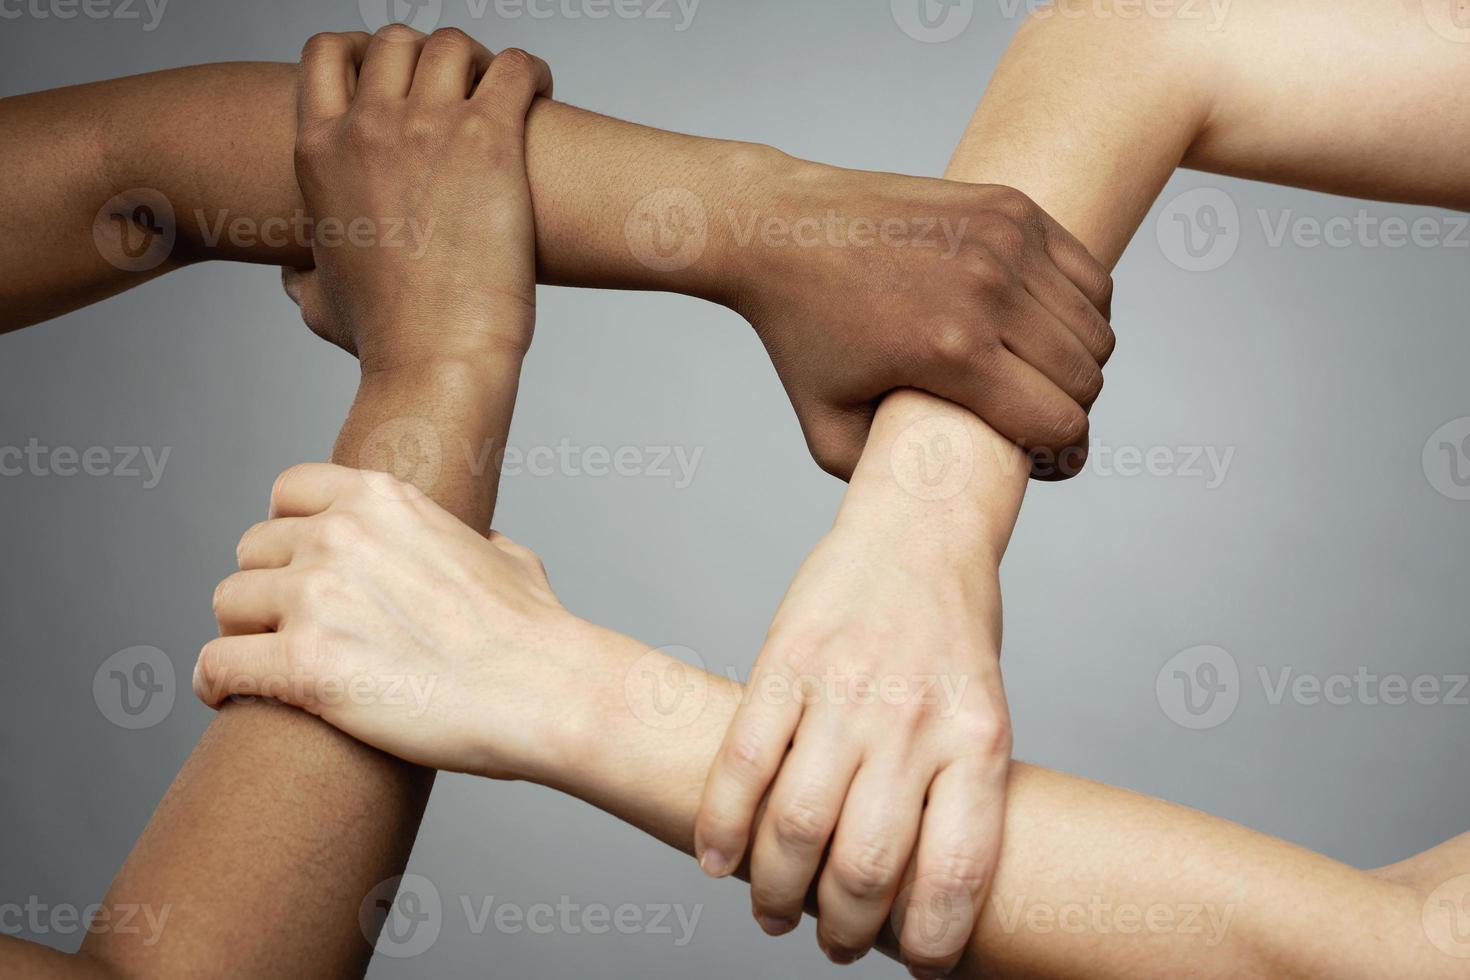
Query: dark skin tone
x,y
283,788
1011,323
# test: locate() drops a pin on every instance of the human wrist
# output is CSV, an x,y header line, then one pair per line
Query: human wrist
x,y
936,482
559,704
463,344
688,234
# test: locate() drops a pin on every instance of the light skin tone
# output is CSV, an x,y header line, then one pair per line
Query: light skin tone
x,y
1134,135
1089,113
368,587
1105,215
1011,322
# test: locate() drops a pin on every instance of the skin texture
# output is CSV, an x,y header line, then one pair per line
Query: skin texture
x,y
1119,104
1092,881
1089,113
1013,323
317,799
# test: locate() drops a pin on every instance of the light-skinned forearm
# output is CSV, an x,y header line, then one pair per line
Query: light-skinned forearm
x,y
1081,864
276,816
1093,107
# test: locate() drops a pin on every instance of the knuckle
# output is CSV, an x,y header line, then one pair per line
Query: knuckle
x,y
366,128
207,669
483,128
451,37
247,541
397,33
323,44
990,736
1088,380
953,343
745,755
420,129
304,651
337,531
381,490
1007,237
1105,291
1072,427
221,595
802,825
866,872
318,587
1014,204
989,270
516,62
283,482
1107,343
958,876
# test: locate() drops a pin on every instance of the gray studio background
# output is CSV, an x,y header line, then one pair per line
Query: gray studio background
x,y
1334,543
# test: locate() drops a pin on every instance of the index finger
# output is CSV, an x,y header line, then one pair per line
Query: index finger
x,y
513,81
328,75
307,489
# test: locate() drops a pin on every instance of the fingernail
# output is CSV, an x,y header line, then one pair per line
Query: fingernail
x,y
774,926
713,863
926,972
842,957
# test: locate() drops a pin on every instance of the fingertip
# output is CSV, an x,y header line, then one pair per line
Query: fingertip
x,y
713,862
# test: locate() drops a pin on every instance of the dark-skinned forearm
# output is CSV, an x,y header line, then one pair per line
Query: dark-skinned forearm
x,y
276,816
216,141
